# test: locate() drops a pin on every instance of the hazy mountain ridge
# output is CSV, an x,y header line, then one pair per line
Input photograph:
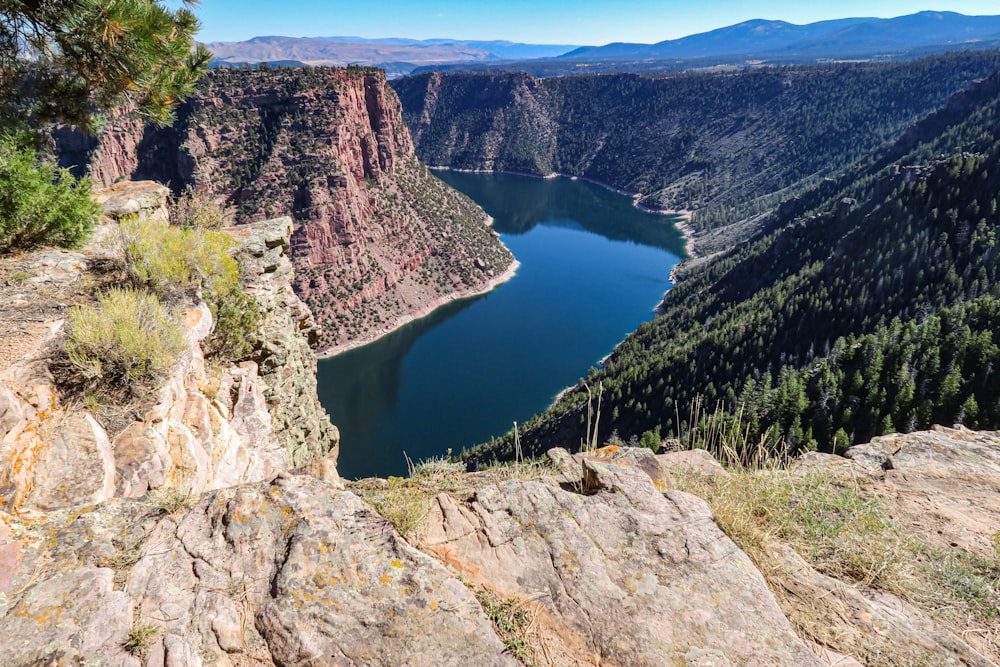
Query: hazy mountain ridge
x,y
396,55
853,37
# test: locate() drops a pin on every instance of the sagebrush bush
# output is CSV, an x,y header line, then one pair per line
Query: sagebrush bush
x,y
198,210
169,259
129,336
237,316
40,203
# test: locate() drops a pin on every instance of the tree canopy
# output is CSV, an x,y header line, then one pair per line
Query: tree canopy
x,y
66,60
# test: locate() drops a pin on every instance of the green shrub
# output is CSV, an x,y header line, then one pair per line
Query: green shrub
x,y
169,259
39,203
129,336
236,315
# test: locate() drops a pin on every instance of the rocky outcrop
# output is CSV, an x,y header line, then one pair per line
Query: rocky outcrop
x,y
600,561
939,488
285,573
284,347
625,572
378,239
205,428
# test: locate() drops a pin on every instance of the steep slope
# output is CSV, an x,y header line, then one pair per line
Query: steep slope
x,y
379,239
728,145
869,306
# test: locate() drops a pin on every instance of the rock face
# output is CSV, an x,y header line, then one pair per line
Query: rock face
x,y
204,429
284,350
379,240
629,574
287,573
609,564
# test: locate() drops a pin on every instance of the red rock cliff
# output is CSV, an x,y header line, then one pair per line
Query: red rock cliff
x,y
378,240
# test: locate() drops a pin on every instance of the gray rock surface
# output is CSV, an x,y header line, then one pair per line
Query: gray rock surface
x,y
291,572
628,575
285,351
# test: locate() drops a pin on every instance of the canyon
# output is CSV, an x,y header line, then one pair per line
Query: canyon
x,y
205,524
730,146
378,240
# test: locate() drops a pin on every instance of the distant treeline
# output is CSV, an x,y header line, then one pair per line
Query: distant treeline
x,y
869,305
732,145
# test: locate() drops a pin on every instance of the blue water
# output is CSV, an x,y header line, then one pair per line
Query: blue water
x,y
593,267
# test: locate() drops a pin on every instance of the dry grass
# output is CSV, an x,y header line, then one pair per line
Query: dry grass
x,y
841,530
140,639
405,502
402,502
129,336
514,624
838,523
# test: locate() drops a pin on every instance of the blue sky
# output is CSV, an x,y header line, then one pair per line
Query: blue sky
x,y
537,21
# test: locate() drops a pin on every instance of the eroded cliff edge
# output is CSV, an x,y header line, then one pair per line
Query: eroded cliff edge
x,y
378,240
206,427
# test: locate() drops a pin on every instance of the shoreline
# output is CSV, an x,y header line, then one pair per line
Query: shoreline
x,y
423,312
687,233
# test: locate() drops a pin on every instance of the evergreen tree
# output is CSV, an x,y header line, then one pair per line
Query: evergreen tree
x,y
67,60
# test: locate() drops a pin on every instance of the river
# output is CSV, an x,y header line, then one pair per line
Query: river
x,y
593,267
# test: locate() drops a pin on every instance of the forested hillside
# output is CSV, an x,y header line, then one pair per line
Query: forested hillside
x,y
730,145
868,306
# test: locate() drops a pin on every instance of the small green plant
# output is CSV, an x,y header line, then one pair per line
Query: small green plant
x,y
19,277
39,203
171,501
513,622
237,316
969,580
237,588
129,336
140,638
402,502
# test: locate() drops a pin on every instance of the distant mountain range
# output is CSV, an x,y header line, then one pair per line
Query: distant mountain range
x,y
844,38
776,42
397,56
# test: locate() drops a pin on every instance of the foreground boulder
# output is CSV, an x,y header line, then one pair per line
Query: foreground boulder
x,y
292,572
624,575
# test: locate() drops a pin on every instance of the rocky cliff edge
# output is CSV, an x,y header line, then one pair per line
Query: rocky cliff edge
x,y
209,528
205,428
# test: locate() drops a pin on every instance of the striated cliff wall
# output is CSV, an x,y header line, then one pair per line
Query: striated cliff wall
x,y
205,427
378,239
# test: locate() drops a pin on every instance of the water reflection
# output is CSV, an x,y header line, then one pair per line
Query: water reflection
x,y
592,268
590,206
